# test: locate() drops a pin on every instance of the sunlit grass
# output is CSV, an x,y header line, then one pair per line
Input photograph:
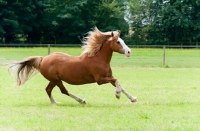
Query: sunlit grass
x,y
168,98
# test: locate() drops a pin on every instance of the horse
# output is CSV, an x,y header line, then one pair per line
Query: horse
x,y
92,66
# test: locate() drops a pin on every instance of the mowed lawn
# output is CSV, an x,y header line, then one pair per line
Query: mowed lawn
x,y
168,96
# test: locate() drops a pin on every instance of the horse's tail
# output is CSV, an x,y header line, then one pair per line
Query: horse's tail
x,y
23,70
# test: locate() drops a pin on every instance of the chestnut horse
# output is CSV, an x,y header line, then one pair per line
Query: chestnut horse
x,y
93,65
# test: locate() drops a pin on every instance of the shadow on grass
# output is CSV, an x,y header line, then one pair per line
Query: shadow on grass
x,y
96,105
76,105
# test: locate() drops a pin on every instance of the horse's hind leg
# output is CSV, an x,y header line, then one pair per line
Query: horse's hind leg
x,y
49,89
64,91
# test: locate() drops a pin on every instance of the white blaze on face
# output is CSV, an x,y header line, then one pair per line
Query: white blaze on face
x,y
127,50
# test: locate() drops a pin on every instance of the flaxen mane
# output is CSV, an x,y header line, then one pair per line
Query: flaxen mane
x,y
93,42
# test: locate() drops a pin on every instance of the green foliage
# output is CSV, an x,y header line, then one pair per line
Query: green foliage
x,y
179,20
78,17
142,16
162,22
58,20
68,21
19,18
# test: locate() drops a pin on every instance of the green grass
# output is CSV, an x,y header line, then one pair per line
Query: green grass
x,y
168,98
141,57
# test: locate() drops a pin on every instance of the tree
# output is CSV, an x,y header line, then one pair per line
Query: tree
x,y
179,20
78,17
62,21
160,22
142,16
2,31
8,21
41,23
20,20
26,17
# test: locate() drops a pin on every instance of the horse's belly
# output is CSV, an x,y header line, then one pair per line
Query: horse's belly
x,y
78,80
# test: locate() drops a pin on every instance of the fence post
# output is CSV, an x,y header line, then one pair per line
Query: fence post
x,y
49,49
164,55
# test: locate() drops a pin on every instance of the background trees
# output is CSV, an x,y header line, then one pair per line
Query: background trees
x,y
162,22
142,17
67,21
58,21
21,20
180,20
78,17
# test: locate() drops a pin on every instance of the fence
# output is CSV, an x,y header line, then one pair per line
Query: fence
x,y
142,55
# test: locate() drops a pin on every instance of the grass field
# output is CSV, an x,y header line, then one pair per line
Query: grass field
x,y
168,98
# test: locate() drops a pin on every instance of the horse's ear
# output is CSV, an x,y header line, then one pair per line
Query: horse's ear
x,y
119,32
115,33
96,29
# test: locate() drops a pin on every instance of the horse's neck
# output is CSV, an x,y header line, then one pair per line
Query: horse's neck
x,y
105,53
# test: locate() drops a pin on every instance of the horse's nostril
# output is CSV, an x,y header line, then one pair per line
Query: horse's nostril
x,y
128,52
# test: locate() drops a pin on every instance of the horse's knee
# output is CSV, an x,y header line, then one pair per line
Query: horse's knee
x,y
48,90
50,87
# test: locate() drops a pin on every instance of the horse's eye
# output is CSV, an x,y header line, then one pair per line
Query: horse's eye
x,y
118,42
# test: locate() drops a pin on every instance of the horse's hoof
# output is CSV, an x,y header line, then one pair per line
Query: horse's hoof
x,y
82,102
117,96
134,99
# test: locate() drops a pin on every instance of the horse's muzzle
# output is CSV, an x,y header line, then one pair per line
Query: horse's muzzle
x,y
127,53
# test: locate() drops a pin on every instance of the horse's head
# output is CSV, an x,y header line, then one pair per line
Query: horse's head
x,y
118,45
95,39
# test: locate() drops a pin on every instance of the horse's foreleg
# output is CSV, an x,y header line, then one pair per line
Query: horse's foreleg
x,y
49,89
120,89
117,90
64,91
114,82
132,98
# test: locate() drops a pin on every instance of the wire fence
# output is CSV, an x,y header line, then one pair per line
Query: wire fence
x,y
142,55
